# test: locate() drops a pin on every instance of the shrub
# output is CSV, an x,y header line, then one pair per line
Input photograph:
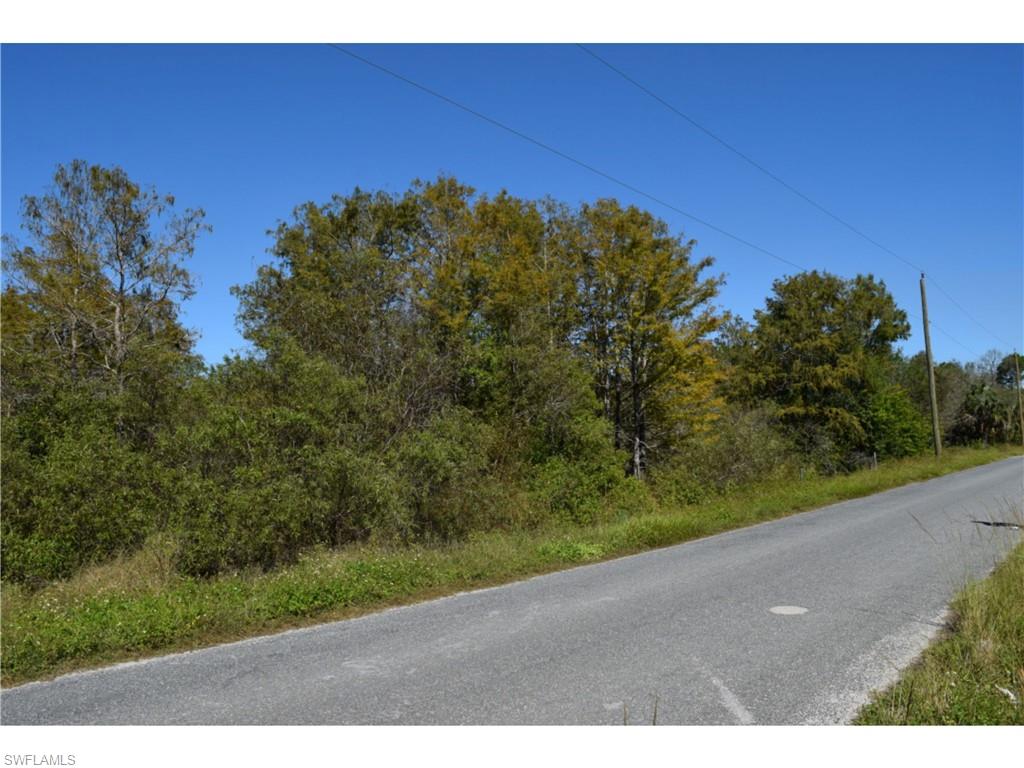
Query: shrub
x,y
264,470
79,496
264,516
894,426
260,520
363,496
629,498
744,446
447,465
572,491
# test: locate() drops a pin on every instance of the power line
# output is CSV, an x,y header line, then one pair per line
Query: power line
x,y
737,152
783,183
956,304
582,164
945,333
563,155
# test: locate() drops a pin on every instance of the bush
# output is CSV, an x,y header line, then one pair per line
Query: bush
x,y
264,515
269,463
894,426
363,497
79,496
744,446
569,484
260,520
629,498
447,465
572,491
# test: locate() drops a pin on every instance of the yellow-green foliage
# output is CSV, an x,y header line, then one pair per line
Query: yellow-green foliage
x,y
425,368
435,368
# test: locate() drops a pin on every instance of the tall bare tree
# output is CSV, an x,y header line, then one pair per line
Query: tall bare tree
x,y
103,271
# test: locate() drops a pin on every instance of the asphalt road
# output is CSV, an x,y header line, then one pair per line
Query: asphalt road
x,y
857,588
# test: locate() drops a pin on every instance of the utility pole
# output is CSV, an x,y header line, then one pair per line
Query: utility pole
x,y
1020,411
936,436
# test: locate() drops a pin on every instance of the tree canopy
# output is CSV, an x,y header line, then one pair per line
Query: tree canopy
x,y
424,365
818,349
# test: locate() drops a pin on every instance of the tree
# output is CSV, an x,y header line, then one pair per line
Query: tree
x,y
370,283
340,284
1006,371
984,416
734,350
524,270
443,258
103,274
951,384
894,427
646,322
812,345
95,362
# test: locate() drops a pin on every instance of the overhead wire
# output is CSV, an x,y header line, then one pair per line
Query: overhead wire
x,y
565,156
782,182
633,188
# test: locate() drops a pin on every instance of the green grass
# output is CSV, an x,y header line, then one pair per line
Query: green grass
x,y
971,675
137,606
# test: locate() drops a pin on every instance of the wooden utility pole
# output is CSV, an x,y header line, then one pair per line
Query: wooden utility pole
x,y
936,435
1020,411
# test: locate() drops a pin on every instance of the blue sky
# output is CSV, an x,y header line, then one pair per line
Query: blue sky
x,y
919,146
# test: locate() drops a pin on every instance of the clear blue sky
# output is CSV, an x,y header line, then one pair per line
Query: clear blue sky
x,y
919,146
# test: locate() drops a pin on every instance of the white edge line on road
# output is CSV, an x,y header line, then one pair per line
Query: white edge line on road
x,y
874,670
729,700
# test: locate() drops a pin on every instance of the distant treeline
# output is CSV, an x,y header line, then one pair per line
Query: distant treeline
x,y
424,365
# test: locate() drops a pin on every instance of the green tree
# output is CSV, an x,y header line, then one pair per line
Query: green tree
x,y
646,322
894,427
1006,371
339,282
984,416
523,262
95,364
813,344
104,272
347,284
952,382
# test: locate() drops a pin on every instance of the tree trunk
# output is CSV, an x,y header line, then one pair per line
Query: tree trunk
x,y
119,348
618,412
74,351
639,428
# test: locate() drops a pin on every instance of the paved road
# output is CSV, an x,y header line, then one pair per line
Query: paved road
x,y
857,588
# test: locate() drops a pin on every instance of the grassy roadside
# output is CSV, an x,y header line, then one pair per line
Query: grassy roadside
x,y
973,674
138,607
